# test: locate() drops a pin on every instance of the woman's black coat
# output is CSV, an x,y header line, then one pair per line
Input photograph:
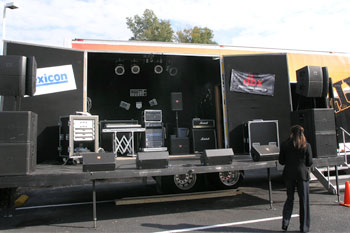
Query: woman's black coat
x,y
296,161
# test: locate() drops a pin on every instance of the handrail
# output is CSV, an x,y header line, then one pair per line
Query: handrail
x,y
345,147
345,131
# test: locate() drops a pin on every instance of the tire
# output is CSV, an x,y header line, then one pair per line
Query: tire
x,y
227,179
181,183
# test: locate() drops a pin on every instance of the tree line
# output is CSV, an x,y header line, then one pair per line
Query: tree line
x,y
149,28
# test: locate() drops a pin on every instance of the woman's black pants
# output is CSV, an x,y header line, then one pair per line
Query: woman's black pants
x,y
304,209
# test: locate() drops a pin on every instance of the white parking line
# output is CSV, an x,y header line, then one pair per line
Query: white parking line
x,y
227,224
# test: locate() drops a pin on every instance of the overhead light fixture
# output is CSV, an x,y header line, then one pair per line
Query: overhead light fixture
x,y
119,69
135,69
11,5
158,69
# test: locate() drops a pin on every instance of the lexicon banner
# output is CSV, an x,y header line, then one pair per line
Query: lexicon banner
x,y
260,84
55,79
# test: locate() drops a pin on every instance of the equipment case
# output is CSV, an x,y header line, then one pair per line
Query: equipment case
x,y
78,133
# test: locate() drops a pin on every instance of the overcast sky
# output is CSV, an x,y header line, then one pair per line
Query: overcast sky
x,y
291,24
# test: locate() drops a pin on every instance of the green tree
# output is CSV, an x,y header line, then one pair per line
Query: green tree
x,y
195,35
148,27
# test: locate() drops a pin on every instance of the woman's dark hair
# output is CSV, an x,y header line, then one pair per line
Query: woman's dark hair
x,y
297,136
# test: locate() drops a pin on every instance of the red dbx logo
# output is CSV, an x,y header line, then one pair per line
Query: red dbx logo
x,y
250,81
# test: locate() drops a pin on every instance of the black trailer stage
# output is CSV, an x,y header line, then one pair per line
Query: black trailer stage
x,y
47,175
59,175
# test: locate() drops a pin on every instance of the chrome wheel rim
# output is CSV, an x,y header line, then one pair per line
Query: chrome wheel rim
x,y
229,178
185,181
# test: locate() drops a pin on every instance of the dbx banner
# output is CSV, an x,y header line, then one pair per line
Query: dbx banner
x,y
260,84
55,79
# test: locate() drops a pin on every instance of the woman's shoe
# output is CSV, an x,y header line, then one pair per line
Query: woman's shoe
x,y
285,228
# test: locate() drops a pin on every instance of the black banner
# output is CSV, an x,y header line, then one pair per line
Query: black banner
x,y
260,84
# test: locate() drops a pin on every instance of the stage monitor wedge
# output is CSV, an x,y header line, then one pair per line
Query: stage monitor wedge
x,y
152,160
93,161
264,152
217,157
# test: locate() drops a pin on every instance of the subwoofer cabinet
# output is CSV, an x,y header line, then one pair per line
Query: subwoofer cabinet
x,y
319,130
179,145
18,142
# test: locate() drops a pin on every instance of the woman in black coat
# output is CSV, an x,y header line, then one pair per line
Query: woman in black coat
x,y
296,155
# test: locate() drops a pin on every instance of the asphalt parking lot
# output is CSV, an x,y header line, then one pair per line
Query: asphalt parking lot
x,y
69,209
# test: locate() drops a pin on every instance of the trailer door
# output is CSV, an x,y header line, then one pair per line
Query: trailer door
x,y
253,101
50,107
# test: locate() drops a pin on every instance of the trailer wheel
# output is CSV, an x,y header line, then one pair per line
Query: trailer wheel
x,y
227,179
181,183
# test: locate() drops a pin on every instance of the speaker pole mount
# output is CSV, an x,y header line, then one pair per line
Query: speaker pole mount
x,y
177,123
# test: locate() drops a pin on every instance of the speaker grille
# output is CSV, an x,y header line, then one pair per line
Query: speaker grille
x,y
176,101
310,81
203,139
319,126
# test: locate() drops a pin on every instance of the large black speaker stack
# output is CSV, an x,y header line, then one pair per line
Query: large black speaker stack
x,y
319,130
18,129
203,135
18,142
319,123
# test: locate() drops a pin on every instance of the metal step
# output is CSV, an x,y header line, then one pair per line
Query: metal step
x,y
318,174
342,187
342,167
331,178
340,177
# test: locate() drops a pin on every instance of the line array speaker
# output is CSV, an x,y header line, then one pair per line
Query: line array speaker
x,y
310,81
31,76
12,75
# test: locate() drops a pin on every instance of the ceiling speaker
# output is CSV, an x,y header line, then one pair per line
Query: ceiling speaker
x,y
158,69
119,69
172,71
135,69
